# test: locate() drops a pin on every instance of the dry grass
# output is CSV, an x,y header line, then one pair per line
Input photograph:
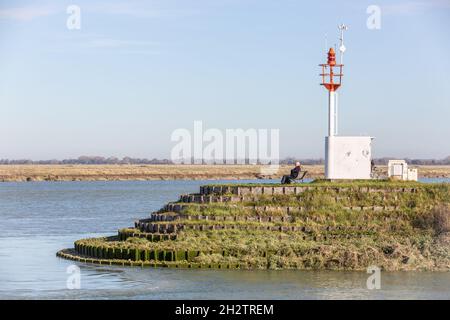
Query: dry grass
x,y
441,215
164,172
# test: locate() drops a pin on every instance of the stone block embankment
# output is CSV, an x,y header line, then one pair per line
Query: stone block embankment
x,y
290,190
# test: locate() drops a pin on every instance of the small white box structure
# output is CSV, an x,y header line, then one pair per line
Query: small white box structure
x,y
398,169
348,157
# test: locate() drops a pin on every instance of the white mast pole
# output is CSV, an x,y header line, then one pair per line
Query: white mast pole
x,y
342,28
336,115
331,113
342,48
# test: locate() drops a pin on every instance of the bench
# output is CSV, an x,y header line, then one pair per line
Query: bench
x,y
301,176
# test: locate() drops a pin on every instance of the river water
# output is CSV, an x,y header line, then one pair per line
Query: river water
x,y
39,218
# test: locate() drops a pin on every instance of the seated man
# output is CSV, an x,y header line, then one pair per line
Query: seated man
x,y
294,174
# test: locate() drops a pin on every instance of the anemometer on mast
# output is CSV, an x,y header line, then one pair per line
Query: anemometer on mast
x,y
342,27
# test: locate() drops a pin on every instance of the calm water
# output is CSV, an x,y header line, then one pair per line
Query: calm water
x,y
39,218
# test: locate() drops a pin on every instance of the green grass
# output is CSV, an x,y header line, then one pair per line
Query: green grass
x,y
382,183
320,198
286,250
408,236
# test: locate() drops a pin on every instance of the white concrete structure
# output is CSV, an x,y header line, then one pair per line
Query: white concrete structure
x,y
348,157
398,169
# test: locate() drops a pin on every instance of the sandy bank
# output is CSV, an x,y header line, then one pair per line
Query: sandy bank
x,y
166,172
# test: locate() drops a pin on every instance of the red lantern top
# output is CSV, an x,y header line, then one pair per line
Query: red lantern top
x,y
330,79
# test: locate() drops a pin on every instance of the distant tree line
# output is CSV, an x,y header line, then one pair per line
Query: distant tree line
x,y
89,160
129,160
445,161
377,161
292,160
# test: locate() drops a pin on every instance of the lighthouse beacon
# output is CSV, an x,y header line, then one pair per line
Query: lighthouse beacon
x,y
346,157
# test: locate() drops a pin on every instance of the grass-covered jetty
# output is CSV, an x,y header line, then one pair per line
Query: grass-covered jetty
x,y
319,225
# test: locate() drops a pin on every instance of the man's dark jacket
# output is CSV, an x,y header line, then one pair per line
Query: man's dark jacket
x,y
295,172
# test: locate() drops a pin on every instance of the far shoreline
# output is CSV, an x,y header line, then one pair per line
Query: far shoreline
x,y
137,172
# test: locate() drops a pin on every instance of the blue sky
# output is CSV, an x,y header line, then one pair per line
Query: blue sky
x,y
137,70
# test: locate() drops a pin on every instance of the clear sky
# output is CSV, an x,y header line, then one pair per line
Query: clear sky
x,y
137,70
